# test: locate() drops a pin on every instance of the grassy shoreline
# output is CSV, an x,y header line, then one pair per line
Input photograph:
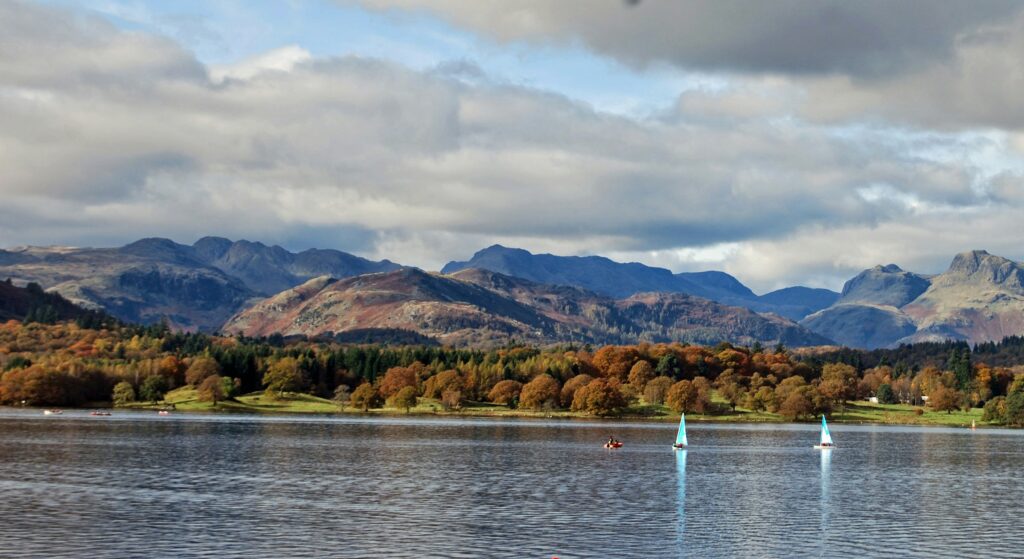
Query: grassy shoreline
x,y
862,412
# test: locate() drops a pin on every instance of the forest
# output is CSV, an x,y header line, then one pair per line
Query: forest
x,y
95,361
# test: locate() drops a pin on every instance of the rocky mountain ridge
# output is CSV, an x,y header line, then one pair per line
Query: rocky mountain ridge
x,y
980,297
615,279
191,287
481,307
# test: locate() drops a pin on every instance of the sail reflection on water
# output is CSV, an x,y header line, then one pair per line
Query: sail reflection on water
x,y
681,501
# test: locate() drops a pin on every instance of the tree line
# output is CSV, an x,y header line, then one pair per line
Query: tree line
x,y
69,363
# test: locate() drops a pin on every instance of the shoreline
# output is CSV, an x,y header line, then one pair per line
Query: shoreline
x,y
854,415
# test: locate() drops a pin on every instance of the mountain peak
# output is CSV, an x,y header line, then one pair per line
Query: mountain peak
x,y
979,265
211,248
885,285
157,247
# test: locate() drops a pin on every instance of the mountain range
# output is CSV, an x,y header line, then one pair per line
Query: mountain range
x,y
480,307
605,276
503,293
192,287
980,297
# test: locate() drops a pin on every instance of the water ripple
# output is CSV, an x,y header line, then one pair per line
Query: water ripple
x,y
242,486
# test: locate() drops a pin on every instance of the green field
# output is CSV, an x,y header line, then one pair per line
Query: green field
x,y
184,399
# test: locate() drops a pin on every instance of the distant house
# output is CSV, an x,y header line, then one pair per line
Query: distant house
x,y
873,399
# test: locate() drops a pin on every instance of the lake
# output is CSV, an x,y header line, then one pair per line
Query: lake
x,y
141,485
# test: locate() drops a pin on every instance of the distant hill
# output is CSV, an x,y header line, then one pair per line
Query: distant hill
x,y
980,298
192,287
618,280
482,307
271,269
32,303
596,273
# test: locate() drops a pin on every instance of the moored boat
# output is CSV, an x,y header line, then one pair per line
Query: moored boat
x,y
52,412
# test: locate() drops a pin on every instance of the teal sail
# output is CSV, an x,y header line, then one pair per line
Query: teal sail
x,y
681,435
826,437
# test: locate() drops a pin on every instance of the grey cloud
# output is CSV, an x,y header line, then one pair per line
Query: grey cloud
x,y
977,87
863,38
422,167
949,65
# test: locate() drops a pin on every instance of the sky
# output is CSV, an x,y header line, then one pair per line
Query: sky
x,y
790,142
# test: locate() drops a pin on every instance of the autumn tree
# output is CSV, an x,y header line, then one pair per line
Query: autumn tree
x,y
124,393
838,382
681,396
656,390
702,402
505,392
365,397
171,367
794,398
570,388
615,361
283,375
540,393
202,367
600,397
797,403
729,388
762,399
944,398
641,373
444,381
403,399
211,389
397,378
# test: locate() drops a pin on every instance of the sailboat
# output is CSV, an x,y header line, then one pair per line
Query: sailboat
x,y
681,434
826,437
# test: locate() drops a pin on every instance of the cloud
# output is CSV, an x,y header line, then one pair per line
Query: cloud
x,y
121,135
278,60
866,38
950,65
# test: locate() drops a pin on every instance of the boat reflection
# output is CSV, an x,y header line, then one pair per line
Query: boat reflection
x,y
681,501
826,475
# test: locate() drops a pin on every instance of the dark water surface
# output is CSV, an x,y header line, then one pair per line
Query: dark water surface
x,y
140,485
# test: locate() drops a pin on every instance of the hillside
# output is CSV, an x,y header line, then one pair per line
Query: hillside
x,y
482,307
192,287
19,303
619,280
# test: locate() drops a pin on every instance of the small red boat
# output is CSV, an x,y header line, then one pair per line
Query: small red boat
x,y
615,444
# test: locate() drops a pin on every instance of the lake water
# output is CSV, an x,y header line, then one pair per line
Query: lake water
x,y
141,485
